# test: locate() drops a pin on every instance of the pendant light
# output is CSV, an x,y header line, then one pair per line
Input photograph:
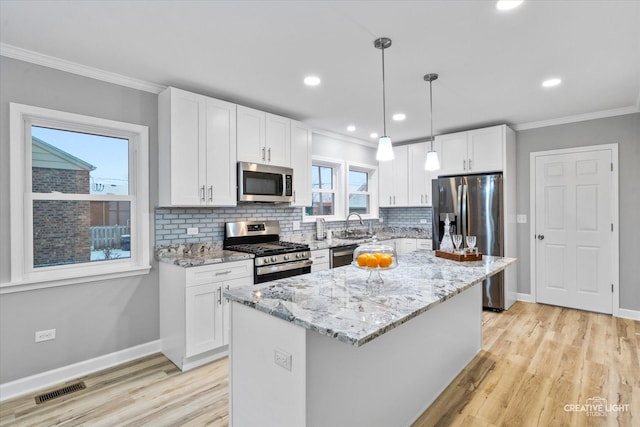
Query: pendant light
x,y
385,150
432,162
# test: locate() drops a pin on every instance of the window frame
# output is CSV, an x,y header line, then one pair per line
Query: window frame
x,y
24,276
372,188
338,167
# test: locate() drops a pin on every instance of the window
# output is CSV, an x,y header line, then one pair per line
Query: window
x,y
359,198
334,196
79,202
325,189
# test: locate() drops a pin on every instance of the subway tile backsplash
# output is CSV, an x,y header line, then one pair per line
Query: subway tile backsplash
x,y
171,223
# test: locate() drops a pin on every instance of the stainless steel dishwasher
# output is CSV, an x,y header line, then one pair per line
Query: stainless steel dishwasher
x,y
342,255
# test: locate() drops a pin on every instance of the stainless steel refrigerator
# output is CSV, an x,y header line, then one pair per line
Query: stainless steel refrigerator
x,y
475,207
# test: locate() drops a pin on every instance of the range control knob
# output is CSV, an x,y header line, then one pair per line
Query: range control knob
x,y
273,259
286,257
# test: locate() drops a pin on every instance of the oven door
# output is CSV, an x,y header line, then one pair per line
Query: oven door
x,y
263,183
267,273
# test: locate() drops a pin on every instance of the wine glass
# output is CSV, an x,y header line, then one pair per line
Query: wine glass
x,y
471,243
457,240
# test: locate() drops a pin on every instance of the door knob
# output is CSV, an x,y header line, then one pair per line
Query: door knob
x,y
540,236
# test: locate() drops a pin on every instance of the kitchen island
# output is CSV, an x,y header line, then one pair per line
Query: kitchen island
x,y
328,348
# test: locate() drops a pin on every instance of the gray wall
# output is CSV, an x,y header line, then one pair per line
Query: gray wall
x,y
624,130
91,319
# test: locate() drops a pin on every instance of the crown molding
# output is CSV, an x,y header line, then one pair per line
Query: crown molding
x,y
73,67
577,118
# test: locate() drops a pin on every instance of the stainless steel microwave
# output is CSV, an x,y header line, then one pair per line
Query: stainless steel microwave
x,y
264,183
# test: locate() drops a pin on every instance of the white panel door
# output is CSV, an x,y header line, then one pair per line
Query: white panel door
x,y
574,235
221,153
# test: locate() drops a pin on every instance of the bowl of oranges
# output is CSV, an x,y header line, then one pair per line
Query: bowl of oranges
x,y
375,257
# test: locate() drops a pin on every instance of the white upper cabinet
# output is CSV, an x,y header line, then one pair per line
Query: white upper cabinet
x,y
419,178
393,179
301,163
263,138
474,151
197,150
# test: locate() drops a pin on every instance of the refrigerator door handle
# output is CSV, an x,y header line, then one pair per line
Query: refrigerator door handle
x,y
463,217
459,216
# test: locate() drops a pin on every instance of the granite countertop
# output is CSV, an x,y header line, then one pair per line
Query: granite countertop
x,y
195,254
336,242
340,304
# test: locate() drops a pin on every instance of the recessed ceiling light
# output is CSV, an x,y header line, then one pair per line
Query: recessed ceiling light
x,y
508,4
312,80
373,135
351,128
551,82
398,117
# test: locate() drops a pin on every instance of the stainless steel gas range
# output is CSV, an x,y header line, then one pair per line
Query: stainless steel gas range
x,y
274,259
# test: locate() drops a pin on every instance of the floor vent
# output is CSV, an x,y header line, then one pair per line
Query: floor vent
x,y
60,392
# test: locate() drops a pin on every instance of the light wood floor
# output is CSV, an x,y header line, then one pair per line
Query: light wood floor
x,y
535,360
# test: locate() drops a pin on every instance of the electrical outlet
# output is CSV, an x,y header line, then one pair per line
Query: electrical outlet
x,y
49,334
381,220
282,358
423,221
521,219
192,230
296,225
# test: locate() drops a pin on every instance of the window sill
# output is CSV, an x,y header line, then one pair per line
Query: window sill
x,y
33,284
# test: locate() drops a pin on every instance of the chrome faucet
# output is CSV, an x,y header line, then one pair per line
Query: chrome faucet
x,y
346,230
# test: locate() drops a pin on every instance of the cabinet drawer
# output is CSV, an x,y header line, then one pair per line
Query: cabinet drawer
x,y
320,256
424,244
219,272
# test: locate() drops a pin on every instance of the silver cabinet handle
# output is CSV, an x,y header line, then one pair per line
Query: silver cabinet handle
x,y
464,165
294,196
221,273
219,295
211,193
264,156
540,236
394,200
422,198
470,160
202,193
269,153
389,199
227,288
320,257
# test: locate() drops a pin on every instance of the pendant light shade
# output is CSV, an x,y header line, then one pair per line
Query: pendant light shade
x,y
385,149
432,163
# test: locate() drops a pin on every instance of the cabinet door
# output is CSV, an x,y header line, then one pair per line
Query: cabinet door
x,y
400,176
452,151
301,163
250,135
419,178
203,305
225,318
221,153
485,149
183,120
385,184
278,140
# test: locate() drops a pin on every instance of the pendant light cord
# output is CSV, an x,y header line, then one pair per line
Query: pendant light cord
x,y
431,110
384,103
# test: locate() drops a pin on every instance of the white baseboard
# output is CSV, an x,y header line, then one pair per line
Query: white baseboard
x,y
524,297
628,314
50,378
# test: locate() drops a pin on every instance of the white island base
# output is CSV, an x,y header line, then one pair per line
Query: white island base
x,y
389,381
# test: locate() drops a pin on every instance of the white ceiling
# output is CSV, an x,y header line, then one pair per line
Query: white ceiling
x,y
491,63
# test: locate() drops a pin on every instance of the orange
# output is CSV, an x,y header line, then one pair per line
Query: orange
x,y
363,260
385,260
378,255
372,262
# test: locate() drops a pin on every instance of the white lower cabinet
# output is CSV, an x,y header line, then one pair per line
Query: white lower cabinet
x,y
194,316
320,258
